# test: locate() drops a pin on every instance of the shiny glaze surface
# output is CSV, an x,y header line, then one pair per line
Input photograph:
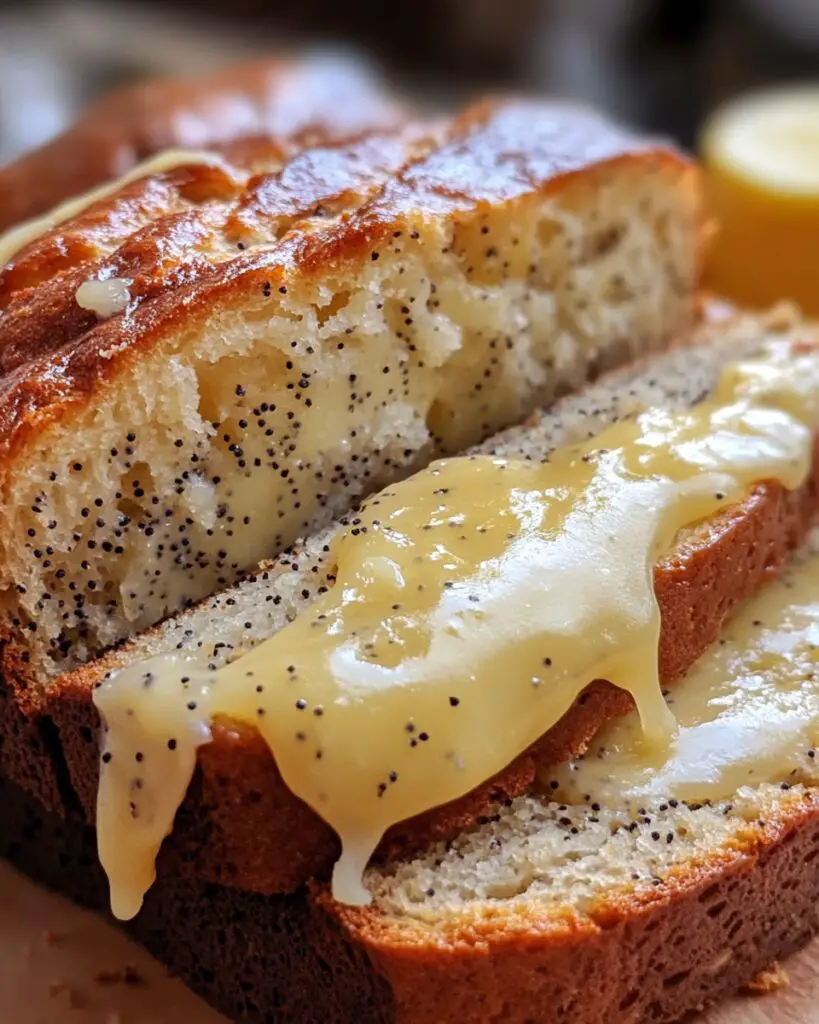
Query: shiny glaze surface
x,y
471,605
748,711
105,298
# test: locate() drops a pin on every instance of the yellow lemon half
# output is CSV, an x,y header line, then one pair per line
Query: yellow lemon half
x,y
761,154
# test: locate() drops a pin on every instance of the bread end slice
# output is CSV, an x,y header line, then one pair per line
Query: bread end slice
x,y
297,338
622,926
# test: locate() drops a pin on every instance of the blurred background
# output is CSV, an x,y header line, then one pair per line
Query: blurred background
x,y
661,64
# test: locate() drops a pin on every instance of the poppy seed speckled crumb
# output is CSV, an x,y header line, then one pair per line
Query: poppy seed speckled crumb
x,y
246,398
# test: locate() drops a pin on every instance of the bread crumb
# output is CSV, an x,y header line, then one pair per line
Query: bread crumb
x,y
714,310
772,979
129,975
76,999
783,316
720,961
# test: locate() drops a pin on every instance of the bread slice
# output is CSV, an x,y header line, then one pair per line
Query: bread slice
x,y
294,337
241,825
558,895
552,913
320,92
521,920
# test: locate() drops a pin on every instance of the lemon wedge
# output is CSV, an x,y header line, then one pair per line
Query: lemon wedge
x,y
761,154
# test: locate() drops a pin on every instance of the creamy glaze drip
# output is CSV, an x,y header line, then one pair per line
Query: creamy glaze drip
x,y
748,711
18,237
105,298
472,604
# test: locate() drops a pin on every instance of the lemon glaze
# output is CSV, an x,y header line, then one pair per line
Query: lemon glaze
x,y
471,605
105,297
747,712
18,237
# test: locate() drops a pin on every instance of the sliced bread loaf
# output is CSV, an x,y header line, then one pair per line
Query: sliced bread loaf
x,y
283,339
542,913
663,902
242,825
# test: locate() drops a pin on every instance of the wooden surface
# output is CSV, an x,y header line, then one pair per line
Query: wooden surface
x,y
61,965
797,1003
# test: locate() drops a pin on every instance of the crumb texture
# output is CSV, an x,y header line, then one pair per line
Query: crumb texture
x,y
698,936
262,604
298,333
240,824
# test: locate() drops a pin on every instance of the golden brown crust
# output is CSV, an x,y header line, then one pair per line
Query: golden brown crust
x,y
243,106
54,357
703,932
708,928
242,826
158,233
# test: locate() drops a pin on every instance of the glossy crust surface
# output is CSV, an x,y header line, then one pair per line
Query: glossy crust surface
x,y
706,930
241,825
244,106
179,236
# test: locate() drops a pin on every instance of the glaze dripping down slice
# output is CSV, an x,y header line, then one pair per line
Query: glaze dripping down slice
x,y
467,610
271,840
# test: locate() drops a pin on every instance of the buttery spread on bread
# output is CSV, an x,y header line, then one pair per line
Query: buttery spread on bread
x,y
747,712
18,237
470,605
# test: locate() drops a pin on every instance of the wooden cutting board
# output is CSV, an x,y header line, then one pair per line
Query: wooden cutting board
x,y
796,1003
61,965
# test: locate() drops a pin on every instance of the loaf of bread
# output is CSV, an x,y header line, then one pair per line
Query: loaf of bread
x,y
242,825
222,357
316,94
508,907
